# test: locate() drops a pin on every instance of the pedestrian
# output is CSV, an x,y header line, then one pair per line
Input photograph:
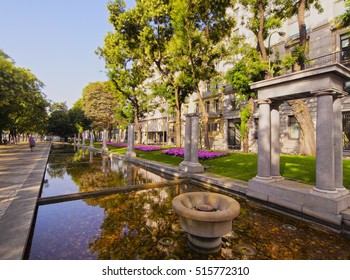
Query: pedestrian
x,y
31,143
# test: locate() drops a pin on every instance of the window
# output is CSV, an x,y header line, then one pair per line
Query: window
x,y
207,106
345,45
208,88
212,127
294,128
216,105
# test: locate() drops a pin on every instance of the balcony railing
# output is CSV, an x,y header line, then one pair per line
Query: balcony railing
x,y
342,57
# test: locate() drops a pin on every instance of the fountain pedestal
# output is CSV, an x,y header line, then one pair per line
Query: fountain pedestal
x,y
205,228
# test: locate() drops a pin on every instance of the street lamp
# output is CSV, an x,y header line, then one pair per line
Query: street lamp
x,y
280,33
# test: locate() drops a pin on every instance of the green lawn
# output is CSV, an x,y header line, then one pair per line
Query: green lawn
x,y
244,166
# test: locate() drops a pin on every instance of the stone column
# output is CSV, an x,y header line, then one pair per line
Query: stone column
x,y
130,150
104,141
78,138
84,138
225,141
275,142
188,129
264,141
91,139
190,163
338,145
194,139
325,144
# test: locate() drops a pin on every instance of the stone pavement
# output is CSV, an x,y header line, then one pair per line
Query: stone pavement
x,y
21,174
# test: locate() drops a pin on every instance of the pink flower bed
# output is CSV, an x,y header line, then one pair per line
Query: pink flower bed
x,y
147,148
202,154
118,145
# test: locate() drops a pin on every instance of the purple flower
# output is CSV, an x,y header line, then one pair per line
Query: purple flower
x,y
147,148
118,145
202,154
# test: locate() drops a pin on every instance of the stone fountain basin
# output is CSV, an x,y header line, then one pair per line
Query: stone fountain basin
x,y
206,224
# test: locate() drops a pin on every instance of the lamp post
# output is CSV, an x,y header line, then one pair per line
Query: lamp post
x,y
280,33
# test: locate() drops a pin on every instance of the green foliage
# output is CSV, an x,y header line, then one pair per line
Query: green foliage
x,y
245,117
99,105
60,122
248,69
344,19
22,102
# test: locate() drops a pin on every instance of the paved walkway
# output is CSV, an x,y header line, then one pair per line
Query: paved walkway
x,y
21,174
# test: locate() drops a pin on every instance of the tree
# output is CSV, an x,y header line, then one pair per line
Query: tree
x,y
252,63
290,8
248,69
59,122
344,19
124,59
300,110
200,29
22,102
156,34
77,115
99,105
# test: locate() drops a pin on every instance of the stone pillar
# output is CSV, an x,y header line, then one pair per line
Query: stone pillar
x,y
264,141
190,163
275,142
84,138
188,128
131,135
104,141
91,139
194,139
338,145
78,138
325,144
74,139
225,141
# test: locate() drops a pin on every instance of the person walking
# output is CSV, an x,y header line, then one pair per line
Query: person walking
x,y
31,143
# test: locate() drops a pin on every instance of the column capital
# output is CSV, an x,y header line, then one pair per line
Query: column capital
x,y
329,91
263,101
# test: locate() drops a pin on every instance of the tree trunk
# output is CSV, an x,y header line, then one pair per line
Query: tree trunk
x,y
300,110
205,119
302,33
137,126
307,137
262,48
245,137
178,119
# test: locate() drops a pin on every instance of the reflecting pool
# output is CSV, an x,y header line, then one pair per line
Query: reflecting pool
x,y
142,225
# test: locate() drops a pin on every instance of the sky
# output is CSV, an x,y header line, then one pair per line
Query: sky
x,y
57,41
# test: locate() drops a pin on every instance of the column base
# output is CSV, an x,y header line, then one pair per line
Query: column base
x,y
333,194
342,190
191,167
268,179
277,178
130,154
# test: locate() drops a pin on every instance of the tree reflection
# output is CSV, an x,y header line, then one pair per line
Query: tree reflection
x,y
135,222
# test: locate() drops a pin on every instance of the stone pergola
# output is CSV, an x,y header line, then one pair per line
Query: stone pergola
x,y
328,198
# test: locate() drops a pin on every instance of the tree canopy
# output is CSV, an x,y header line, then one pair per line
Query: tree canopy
x,y
22,102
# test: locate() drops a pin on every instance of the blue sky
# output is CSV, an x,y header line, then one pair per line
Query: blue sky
x,y
56,40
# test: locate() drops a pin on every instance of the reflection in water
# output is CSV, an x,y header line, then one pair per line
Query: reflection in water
x,y
141,224
70,172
